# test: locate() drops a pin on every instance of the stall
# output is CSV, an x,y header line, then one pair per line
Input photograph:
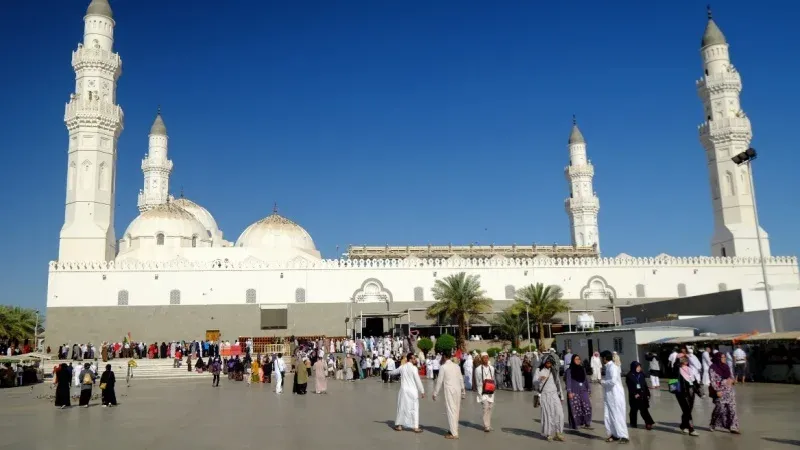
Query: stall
x,y
774,357
22,370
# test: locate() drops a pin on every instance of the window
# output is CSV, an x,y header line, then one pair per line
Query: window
x,y
300,295
640,292
681,290
250,296
567,344
419,294
174,297
724,252
723,287
122,298
160,239
618,345
511,292
194,241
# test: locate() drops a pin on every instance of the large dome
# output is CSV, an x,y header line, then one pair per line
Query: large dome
x,y
200,213
278,233
165,225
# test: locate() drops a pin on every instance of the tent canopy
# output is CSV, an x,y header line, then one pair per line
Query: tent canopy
x,y
781,336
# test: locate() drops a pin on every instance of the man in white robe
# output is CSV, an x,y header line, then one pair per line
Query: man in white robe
x,y
277,373
468,368
411,390
614,400
705,366
515,372
450,377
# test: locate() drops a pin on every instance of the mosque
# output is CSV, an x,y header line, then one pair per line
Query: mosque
x,y
173,275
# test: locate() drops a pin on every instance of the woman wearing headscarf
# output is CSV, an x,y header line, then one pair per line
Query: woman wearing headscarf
x,y
254,366
527,373
548,390
87,381
686,387
107,383
597,367
320,383
638,396
301,376
721,392
579,404
63,380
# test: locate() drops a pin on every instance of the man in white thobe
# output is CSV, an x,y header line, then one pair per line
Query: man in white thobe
x,y
485,372
277,373
450,377
411,390
515,372
614,400
468,367
706,365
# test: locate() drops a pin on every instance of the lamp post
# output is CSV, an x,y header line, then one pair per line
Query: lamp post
x,y
528,320
746,158
36,333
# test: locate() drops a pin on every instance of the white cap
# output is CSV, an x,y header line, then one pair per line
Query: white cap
x,y
514,352
484,354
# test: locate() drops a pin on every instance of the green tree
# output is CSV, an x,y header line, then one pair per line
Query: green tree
x,y
425,344
18,323
542,304
459,300
445,342
510,324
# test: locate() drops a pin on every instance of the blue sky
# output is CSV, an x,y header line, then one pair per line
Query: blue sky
x,y
403,122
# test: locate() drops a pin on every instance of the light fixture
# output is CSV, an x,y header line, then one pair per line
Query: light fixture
x,y
104,277
281,274
434,273
156,277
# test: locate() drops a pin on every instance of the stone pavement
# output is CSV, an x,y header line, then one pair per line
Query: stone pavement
x,y
190,414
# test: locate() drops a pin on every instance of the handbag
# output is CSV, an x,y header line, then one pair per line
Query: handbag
x,y
102,385
674,386
536,400
489,385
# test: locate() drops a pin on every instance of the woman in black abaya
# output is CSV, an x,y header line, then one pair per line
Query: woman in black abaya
x,y
107,384
63,380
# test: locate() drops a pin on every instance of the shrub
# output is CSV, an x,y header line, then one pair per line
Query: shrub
x,y
425,344
445,342
493,351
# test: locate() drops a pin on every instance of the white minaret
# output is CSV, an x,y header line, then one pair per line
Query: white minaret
x,y
94,122
725,133
156,167
582,205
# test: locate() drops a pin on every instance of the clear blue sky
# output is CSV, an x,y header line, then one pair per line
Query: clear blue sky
x,y
403,122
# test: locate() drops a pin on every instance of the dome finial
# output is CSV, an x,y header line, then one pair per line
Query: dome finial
x,y
274,207
181,191
708,10
574,120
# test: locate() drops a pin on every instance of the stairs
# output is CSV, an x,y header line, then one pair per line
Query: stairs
x,y
147,369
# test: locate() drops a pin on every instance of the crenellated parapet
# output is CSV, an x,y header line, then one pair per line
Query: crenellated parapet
x,y
717,83
415,263
83,111
725,130
85,58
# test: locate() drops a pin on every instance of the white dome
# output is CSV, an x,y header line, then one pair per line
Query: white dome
x,y
200,213
164,225
276,232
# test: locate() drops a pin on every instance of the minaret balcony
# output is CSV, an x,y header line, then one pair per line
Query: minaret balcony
x,y
582,204
82,111
720,82
731,128
96,58
582,171
149,165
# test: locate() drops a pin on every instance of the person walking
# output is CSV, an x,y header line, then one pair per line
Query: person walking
x,y
685,388
579,403
655,370
614,400
740,364
548,397
215,370
108,382
721,392
485,385
86,378
638,396
411,391
450,377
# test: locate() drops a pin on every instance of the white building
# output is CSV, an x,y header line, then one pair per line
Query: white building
x,y
172,275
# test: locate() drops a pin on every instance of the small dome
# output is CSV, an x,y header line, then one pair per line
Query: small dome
x,y
200,213
163,223
276,232
100,8
713,35
158,127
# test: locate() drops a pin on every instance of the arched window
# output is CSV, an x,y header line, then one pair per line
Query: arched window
x,y
174,297
194,241
640,292
511,292
122,298
723,287
681,290
419,294
160,239
250,296
300,295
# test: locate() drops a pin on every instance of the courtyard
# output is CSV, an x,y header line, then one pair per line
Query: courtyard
x,y
157,414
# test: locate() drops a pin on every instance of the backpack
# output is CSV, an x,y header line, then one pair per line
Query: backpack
x,y
87,378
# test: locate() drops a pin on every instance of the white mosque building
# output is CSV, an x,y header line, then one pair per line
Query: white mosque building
x,y
172,275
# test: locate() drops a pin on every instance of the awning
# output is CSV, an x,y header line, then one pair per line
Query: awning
x,y
699,339
782,336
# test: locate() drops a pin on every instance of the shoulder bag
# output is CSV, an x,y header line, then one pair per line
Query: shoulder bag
x,y
536,400
489,385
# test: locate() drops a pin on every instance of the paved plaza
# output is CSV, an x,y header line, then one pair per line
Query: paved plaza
x,y
191,414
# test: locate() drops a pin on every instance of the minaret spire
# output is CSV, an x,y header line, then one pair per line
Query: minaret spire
x,y
156,167
582,205
275,208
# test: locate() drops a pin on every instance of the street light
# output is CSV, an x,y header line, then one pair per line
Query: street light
x,y
36,333
746,158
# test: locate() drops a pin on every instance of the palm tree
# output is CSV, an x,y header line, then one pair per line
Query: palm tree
x,y
510,323
17,323
460,299
542,303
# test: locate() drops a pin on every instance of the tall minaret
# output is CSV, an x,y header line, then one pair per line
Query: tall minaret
x,y
582,205
94,122
156,167
725,133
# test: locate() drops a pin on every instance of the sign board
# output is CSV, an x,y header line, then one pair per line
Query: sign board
x,y
629,321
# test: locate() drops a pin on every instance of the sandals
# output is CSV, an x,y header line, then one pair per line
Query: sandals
x,y
450,436
398,428
418,430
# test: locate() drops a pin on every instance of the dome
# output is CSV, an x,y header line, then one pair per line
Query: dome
x,y
158,128
101,8
200,213
713,35
276,232
166,224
